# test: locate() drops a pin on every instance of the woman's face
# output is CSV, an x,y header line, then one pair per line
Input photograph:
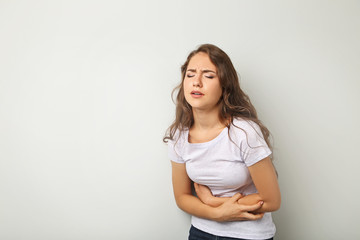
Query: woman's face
x,y
202,87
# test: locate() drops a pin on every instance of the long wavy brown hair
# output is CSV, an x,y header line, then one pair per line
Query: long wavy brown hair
x,y
234,103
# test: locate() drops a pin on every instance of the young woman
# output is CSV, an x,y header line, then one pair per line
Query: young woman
x,y
218,144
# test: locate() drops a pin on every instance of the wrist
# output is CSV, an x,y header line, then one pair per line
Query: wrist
x,y
216,214
209,200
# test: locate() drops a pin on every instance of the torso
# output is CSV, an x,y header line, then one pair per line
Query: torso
x,y
213,159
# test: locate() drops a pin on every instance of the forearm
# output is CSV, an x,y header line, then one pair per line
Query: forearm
x,y
215,201
269,205
196,207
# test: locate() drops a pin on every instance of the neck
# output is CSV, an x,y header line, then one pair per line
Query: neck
x,y
207,119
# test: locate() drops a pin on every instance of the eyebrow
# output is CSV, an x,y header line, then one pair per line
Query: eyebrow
x,y
204,71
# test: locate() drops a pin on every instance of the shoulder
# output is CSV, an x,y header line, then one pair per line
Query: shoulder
x,y
253,146
179,140
176,146
246,126
246,132
179,137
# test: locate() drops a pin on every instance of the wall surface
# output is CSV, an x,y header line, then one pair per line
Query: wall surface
x,y
85,100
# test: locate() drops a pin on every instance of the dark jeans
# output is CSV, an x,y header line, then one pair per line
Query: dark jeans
x,y
196,234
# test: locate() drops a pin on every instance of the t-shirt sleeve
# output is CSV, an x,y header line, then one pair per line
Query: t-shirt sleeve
x,y
253,147
173,151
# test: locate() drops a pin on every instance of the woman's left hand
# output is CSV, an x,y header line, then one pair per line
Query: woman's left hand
x,y
203,193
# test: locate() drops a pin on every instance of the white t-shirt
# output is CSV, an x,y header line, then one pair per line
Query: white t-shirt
x,y
222,165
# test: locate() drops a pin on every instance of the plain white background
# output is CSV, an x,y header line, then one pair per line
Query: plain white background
x,y
85,100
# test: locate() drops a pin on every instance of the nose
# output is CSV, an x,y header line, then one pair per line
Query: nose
x,y
197,81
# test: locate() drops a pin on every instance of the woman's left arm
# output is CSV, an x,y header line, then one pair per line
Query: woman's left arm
x,y
264,177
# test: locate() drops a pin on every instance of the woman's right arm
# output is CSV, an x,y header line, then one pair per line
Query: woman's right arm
x,y
230,210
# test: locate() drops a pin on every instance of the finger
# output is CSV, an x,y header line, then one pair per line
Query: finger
x,y
251,216
235,198
250,208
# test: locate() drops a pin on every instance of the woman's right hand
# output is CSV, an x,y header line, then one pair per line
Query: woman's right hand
x,y
231,210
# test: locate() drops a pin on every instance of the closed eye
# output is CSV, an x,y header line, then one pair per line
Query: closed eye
x,y
190,76
210,77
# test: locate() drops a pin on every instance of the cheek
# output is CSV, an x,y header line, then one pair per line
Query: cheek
x,y
186,85
217,91
186,89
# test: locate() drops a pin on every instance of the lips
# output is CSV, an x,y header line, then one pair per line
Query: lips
x,y
196,94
